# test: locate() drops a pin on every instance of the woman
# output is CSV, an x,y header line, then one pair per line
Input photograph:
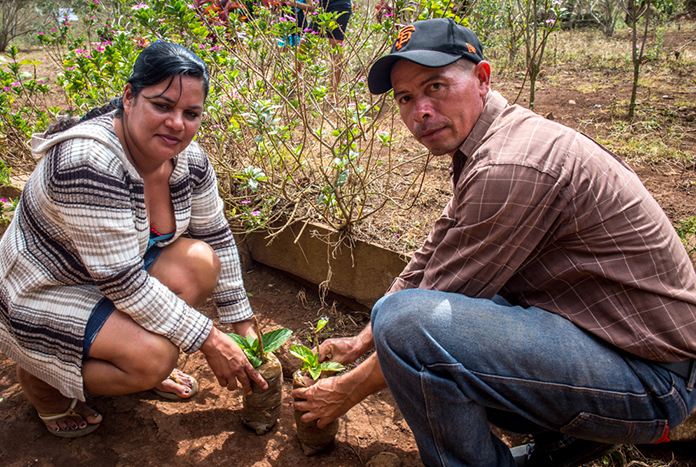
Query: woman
x,y
99,287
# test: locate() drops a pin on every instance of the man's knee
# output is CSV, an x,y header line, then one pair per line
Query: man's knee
x,y
394,316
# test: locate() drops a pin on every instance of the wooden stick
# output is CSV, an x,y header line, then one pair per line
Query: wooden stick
x,y
257,330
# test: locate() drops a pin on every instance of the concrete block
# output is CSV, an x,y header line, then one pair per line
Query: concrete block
x,y
358,270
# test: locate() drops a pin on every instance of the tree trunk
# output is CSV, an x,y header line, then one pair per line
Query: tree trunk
x,y
533,73
634,90
636,54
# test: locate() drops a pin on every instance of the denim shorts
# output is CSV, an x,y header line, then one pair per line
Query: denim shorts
x,y
104,307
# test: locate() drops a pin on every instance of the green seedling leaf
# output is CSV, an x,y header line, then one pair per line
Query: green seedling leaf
x,y
331,366
254,360
304,354
321,323
272,340
242,342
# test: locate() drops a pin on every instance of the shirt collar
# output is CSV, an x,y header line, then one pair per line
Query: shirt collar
x,y
495,104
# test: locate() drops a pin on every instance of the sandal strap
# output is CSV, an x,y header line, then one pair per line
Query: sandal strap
x,y
173,377
55,416
184,379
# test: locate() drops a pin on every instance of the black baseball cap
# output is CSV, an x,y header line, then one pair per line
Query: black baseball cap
x,y
432,42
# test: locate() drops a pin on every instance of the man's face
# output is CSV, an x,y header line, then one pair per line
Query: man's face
x,y
440,106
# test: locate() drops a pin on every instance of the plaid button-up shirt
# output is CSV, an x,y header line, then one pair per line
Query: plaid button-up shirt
x,y
546,217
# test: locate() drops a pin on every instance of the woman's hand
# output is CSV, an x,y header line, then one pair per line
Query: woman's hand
x,y
228,362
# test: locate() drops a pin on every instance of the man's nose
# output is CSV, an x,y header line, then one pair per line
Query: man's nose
x,y
422,108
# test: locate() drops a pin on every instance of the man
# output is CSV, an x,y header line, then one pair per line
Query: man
x,y
553,297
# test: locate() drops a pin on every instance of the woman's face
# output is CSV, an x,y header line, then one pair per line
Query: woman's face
x,y
163,119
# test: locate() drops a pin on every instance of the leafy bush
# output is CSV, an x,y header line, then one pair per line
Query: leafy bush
x,y
23,108
287,144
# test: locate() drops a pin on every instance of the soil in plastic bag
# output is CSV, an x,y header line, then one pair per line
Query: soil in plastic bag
x,y
312,439
262,408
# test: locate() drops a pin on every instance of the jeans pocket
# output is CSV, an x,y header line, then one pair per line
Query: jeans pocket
x,y
615,431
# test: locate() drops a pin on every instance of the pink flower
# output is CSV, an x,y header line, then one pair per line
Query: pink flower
x,y
255,213
245,201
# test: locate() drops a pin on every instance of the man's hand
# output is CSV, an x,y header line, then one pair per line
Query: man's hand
x,y
329,398
347,349
342,350
325,401
228,362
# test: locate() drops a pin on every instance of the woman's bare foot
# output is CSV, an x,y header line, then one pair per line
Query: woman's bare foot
x,y
177,386
47,400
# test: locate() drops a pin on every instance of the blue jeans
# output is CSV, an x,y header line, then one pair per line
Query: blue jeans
x,y
454,363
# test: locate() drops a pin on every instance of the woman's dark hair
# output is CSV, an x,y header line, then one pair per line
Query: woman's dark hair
x,y
158,62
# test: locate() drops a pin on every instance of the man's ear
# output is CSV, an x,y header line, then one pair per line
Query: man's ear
x,y
482,70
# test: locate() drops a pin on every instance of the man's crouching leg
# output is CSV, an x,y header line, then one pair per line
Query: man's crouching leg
x,y
448,358
413,332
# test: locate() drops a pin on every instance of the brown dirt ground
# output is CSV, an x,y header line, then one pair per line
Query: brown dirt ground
x,y
142,429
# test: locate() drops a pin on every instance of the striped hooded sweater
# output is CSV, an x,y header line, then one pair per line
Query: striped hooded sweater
x,y
80,232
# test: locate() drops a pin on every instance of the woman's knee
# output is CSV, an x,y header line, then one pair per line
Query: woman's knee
x,y
153,362
190,268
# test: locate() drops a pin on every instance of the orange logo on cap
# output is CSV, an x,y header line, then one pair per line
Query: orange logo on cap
x,y
471,48
404,36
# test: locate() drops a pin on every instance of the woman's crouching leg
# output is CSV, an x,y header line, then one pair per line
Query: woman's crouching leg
x,y
125,358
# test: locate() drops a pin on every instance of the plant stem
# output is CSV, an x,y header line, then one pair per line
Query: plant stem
x,y
259,336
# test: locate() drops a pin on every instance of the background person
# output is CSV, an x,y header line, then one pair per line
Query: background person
x,y
343,10
553,297
99,286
